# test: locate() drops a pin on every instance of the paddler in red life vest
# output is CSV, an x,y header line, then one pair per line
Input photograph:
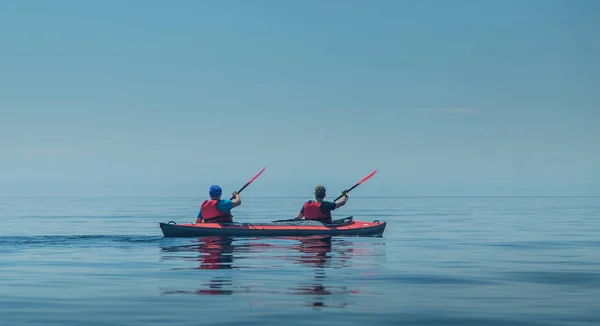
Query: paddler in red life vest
x,y
319,209
217,210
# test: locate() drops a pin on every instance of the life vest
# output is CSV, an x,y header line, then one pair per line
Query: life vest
x,y
312,211
211,213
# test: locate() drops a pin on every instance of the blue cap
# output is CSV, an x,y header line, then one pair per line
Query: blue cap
x,y
215,191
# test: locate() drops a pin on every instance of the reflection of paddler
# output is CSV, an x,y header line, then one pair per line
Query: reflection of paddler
x,y
216,253
315,250
215,287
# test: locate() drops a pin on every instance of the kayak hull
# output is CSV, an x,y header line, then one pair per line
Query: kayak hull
x,y
295,228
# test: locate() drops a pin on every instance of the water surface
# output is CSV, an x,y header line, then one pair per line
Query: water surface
x,y
441,261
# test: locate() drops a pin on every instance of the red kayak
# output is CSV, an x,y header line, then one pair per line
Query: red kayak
x,y
342,227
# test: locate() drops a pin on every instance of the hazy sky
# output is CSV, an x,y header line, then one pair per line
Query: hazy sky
x,y
165,98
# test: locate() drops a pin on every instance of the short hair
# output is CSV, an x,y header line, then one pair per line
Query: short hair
x,y
320,192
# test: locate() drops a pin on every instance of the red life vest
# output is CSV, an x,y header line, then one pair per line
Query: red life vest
x,y
312,211
211,213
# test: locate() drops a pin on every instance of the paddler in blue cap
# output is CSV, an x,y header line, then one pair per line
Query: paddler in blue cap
x,y
217,210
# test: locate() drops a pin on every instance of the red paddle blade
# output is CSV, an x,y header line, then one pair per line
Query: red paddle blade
x,y
367,177
256,176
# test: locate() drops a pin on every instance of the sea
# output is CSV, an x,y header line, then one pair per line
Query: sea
x,y
441,261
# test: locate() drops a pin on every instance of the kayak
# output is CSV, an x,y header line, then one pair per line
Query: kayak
x,y
342,227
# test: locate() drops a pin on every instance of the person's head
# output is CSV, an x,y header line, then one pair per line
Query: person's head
x,y
320,192
215,192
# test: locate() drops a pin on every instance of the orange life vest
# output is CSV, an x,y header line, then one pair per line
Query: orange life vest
x,y
211,213
312,211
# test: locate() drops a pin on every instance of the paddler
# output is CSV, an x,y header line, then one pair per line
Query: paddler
x,y
320,209
215,209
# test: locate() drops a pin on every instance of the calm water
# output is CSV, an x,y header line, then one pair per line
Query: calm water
x,y
441,261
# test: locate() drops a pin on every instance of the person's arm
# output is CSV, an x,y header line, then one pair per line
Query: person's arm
x,y
237,201
342,201
225,205
300,214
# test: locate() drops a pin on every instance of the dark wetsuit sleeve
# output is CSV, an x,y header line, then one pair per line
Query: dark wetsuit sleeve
x,y
327,207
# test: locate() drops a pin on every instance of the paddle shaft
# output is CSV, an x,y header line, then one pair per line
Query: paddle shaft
x,y
340,196
358,184
332,222
249,182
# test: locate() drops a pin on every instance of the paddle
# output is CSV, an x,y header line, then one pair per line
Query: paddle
x,y
338,221
340,196
358,183
249,182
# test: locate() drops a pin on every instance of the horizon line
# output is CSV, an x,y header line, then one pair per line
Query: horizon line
x,y
399,196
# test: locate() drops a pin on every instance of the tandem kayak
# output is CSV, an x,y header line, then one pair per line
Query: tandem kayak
x,y
342,227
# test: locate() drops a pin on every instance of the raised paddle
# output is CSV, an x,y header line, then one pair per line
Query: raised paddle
x,y
358,183
249,182
340,196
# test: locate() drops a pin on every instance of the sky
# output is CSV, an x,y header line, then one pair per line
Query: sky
x,y
165,98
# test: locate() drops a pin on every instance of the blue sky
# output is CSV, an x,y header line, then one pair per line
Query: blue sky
x,y
145,98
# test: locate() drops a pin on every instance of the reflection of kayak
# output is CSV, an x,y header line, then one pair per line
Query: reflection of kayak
x,y
344,227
